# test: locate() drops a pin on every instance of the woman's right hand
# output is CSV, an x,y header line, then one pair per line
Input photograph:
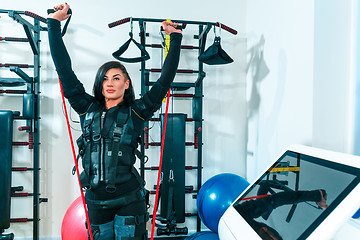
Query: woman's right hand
x,y
170,27
60,13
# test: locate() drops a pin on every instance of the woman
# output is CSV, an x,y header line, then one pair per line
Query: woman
x,y
111,122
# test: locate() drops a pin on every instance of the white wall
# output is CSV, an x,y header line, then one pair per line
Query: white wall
x,y
280,84
336,69
356,145
334,41
307,95
90,43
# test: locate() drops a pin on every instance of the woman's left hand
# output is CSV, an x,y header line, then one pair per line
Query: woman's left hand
x,y
60,13
170,27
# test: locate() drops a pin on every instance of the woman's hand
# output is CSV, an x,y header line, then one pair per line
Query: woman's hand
x,y
170,27
60,13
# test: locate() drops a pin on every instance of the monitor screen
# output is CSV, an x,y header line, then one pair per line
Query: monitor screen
x,y
295,195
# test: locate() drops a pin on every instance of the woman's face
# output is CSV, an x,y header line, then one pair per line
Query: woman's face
x,y
114,85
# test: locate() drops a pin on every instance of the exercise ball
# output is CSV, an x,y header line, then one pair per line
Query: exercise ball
x,y
357,214
204,235
216,195
73,225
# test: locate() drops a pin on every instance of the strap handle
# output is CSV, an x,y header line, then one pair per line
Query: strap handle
x,y
144,54
67,21
125,46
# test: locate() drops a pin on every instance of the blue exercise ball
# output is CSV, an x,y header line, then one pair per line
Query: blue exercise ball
x,y
216,195
204,235
357,214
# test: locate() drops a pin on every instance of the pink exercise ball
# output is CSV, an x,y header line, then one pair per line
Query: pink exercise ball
x,y
73,225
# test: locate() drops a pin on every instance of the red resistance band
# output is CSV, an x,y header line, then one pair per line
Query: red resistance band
x,y
160,163
76,163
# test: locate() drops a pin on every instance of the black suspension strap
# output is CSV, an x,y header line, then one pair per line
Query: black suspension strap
x,y
67,21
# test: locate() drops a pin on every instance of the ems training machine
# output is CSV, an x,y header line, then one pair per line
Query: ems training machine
x,y
173,170
29,90
325,195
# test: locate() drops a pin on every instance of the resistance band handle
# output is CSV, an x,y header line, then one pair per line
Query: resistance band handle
x,y
233,31
33,15
52,11
119,22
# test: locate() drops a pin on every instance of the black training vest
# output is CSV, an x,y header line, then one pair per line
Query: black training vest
x,y
107,149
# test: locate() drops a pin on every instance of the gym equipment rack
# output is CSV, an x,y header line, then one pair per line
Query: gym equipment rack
x,y
197,97
31,107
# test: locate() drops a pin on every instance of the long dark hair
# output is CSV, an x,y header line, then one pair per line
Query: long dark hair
x,y
129,95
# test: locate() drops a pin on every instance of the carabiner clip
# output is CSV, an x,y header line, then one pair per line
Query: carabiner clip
x,y
218,23
171,176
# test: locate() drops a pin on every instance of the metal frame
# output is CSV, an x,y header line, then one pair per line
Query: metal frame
x,y
197,105
33,87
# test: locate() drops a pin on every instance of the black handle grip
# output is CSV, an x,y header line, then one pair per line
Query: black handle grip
x,y
52,11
